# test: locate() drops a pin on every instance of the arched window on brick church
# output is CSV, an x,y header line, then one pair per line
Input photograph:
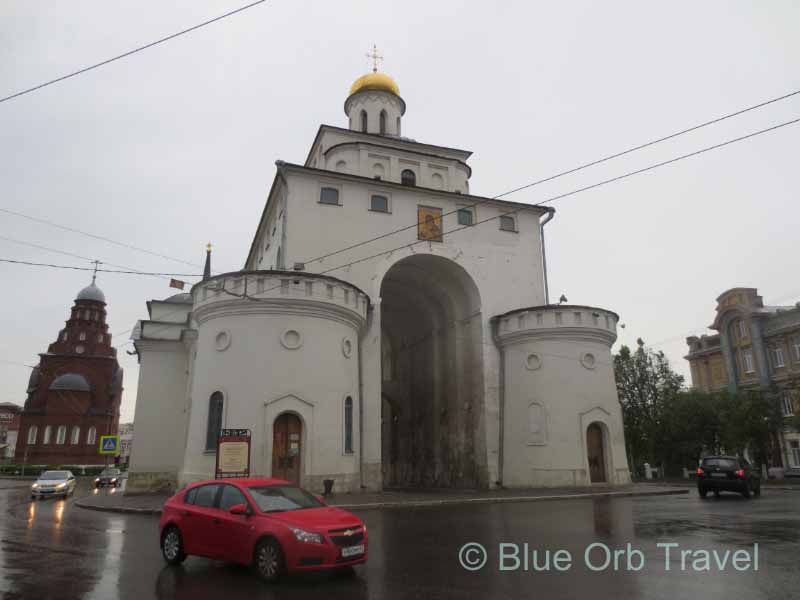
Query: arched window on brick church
x,y
48,432
348,425
32,433
214,424
61,435
75,438
91,435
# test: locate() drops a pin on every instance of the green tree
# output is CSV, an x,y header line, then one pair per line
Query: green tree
x,y
645,383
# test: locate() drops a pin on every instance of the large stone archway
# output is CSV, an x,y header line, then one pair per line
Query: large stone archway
x,y
432,375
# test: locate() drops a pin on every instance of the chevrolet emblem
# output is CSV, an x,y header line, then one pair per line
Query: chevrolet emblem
x,y
349,532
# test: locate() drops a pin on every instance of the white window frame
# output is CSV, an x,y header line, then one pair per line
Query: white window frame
x,y
787,404
794,447
388,202
747,361
338,189
470,210
742,331
48,433
796,343
780,359
75,436
61,435
91,435
33,434
513,221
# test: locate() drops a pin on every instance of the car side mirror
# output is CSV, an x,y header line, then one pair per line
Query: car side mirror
x,y
239,509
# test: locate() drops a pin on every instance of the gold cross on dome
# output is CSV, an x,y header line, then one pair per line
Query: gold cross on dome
x,y
96,264
375,58
208,247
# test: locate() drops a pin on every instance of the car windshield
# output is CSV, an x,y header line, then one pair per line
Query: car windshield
x,y
722,463
282,498
109,472
54,475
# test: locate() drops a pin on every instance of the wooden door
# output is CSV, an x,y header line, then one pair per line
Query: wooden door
x,y
597,459
287,447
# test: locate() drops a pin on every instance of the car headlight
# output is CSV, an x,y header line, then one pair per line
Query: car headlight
x,y
34,486
61,486
306,536
97,480
114,480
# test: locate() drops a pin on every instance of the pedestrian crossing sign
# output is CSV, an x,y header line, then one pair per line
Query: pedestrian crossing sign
x,y
109,444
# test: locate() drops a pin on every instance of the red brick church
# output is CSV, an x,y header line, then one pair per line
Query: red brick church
x,y
75,392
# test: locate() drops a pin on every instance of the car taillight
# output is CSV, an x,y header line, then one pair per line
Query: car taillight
x,y
700,471
740,473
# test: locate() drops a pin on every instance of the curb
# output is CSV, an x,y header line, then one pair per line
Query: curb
x,y
426,503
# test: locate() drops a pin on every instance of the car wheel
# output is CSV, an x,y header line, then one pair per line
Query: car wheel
x,y
716,493
268,560
702,491
172,546
746,490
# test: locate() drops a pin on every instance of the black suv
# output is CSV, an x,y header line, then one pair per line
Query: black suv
x,y
727,473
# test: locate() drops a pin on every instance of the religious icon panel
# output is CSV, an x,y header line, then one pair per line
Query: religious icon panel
x,y
429,223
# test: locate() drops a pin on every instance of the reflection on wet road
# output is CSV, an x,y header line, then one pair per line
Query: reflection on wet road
x,y
51,548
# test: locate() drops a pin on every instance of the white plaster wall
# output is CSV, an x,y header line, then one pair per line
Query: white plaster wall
x,y
573,397
260,378
160,415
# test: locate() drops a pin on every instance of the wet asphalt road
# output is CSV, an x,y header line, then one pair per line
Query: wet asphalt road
x,y
53,549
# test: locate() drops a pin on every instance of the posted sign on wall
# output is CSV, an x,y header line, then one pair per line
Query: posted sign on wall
x,y
233,453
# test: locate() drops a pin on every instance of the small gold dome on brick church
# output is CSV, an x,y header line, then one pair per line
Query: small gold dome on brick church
x,y
374,81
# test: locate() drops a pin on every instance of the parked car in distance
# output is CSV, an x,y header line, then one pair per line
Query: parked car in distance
x,y
727,473
111,477
53,483
270,524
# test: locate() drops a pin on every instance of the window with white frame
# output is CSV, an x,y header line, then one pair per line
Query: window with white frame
x,y
348,425
32,432
508,223
48,433
795,446
91,436
75,437
787,404
742,329
379,203
747,361
329,195
82,336
466,216
777,356
796,346
61,435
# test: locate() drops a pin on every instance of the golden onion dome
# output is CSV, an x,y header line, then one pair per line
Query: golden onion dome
x,y
379,82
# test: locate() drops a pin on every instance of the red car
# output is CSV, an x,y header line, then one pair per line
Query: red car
x,y
269,523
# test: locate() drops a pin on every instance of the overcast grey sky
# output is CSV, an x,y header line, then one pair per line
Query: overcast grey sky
x,y
175,146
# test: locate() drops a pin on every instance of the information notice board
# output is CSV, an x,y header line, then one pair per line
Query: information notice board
x,y
233,453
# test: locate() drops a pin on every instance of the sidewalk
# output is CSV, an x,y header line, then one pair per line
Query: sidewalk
x,y
151,504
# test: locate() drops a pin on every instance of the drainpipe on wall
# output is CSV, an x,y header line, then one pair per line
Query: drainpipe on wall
x,y
550,214
501,393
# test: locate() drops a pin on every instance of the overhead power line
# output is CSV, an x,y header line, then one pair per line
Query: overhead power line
x,y
130,52
547,200
570,171
73,268
97,237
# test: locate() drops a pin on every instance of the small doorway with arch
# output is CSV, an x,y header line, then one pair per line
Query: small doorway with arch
x,y
595,448
287,447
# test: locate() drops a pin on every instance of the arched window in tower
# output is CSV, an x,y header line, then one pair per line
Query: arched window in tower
x,y
364,121
397,132
214,423
407,177
348,425
48,433
61,435
383,122
91,436
32,433
75,437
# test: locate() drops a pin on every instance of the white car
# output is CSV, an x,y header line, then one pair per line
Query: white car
x,y
53,483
